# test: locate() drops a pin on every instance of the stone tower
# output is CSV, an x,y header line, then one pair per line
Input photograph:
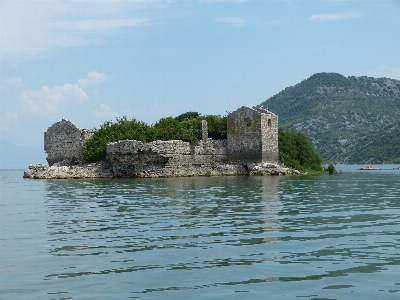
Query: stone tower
x,y
253,135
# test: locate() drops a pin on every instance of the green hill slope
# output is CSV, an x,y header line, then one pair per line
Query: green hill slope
x,y
382,146
338,113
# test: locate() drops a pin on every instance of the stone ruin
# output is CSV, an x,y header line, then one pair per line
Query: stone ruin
x,y
251,148
253,135
64,141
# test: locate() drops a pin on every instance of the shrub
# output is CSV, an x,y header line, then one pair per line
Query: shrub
x,y
295,151
187,115
331,169
189,130
166,129
123,129
217,126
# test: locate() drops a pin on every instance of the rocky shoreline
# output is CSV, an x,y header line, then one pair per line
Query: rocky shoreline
x,y
64,170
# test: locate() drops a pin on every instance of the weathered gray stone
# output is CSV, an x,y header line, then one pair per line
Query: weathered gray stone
x,y
165,158
94,170
63,140
253,135
270,169
63,163
204,130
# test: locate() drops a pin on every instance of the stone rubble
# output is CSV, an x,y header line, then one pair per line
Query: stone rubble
x,y
92,170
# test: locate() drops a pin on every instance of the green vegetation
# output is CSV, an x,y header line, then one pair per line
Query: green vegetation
x,y
295,151
186,127
216,126
379,147
187,115
331,169
123,129
342,115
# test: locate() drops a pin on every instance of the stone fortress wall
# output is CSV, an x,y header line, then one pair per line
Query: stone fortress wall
x,y
251,148
166,158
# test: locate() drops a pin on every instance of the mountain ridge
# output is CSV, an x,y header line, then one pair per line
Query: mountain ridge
x,y
338,113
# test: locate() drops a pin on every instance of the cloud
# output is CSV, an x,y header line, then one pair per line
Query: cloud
x,y
6,119
60,98
13,81
235,21
48,100
104,112
94,78
334,17
105,24
29,27
21,30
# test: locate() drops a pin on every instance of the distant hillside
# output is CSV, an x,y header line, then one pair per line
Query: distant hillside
x,y
18,157
382,146
339,114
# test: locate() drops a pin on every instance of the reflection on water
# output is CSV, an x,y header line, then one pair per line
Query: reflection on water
x,y
326,237
141,215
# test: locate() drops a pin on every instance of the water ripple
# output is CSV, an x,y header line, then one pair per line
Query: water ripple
x,y
230,237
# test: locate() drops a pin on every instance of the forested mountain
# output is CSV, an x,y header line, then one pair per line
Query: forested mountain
x,y
382,146
342,115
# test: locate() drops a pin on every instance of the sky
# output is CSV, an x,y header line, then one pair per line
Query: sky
x,y
93,61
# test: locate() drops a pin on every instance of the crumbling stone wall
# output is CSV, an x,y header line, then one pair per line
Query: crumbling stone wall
x,y
64,140
166,158
252,135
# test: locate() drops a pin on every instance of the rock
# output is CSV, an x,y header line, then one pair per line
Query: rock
x,y
62,171
63,163
74,161
270,169
64,140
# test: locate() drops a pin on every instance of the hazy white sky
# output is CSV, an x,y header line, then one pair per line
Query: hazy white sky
x,y
92,61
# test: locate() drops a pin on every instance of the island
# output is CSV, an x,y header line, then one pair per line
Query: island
x,y
369,168
251,148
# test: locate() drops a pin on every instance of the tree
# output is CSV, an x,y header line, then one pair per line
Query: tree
x,y
331,169
295,151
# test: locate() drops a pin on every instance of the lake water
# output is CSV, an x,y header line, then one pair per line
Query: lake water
x,y
306,237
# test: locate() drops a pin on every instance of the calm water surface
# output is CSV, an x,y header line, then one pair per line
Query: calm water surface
x,y
308,237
